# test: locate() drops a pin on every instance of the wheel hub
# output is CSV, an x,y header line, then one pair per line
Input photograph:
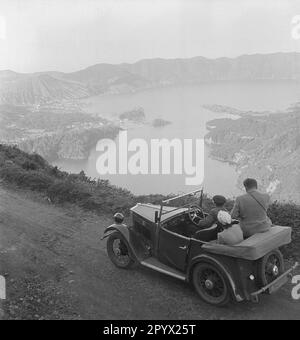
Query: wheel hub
x,y
275,270
209,284
118,252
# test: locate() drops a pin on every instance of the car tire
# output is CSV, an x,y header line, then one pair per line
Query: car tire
x,y
270,267
211,284
119,251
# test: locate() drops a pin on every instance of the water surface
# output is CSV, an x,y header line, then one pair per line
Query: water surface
x,y
183,106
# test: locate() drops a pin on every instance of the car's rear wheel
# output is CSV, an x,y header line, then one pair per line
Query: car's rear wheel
x,y
211,284
118,251
270,267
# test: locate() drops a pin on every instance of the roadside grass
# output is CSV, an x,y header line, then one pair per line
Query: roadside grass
x,y
31,171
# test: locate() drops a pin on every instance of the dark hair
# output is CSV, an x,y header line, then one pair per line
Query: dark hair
x,y
219,200
250,183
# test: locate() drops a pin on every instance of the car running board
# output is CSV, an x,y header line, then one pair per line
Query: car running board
x,y
154,264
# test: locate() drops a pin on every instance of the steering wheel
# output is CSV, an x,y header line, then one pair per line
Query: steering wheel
x,y
196,214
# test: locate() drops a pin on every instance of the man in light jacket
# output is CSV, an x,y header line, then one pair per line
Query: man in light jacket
x,y
251,209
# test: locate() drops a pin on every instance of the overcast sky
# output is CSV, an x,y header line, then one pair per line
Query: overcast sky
x,y
66,35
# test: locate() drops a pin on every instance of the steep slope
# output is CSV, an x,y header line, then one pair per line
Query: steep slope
x,y
102,78
8,75
266,147
31,89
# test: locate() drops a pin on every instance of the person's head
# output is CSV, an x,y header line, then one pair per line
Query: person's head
x,y
250,184
119,218
219,201
225,219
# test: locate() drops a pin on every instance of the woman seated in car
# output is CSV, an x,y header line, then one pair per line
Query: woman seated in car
x,y
232,233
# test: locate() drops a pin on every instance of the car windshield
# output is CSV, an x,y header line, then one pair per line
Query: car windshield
x,y
181,201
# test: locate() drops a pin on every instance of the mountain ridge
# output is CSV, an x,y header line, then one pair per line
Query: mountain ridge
x,y
157,58
102,78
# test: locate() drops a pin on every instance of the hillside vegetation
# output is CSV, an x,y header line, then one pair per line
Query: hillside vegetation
x,y
31,171
263,146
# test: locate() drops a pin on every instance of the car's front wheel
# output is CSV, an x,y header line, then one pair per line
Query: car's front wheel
x,y
210,284
118,251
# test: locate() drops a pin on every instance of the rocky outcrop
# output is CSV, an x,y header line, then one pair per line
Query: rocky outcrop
x,y
73,144
266,147
59,130
136,115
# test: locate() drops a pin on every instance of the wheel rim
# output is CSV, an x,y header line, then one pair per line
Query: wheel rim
x,y
211,285
120,252
272,268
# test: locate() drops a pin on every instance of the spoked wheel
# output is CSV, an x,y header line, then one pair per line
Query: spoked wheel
x,y
119,252
211,284
270,267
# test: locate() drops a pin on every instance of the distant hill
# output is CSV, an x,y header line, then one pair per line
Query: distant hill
x,y
266,147
107,78
16,88
246,67
20,89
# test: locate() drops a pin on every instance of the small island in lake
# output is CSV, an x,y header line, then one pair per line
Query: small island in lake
x,y
136,115
159,122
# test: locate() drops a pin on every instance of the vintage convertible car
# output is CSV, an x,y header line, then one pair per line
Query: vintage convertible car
x,y
165,239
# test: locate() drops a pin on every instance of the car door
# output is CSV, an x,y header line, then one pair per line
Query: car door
x,y
173,249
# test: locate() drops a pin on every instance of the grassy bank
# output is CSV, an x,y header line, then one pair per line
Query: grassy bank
x,y
31,171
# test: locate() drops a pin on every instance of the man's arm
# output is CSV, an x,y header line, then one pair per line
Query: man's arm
x,y
268,199
235,213
207,222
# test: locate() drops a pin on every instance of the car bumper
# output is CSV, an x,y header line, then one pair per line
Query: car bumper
x,y
274,285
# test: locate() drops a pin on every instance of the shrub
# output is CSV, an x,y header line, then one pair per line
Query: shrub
x,y
34,180
288,214
27,165
38,160
68,191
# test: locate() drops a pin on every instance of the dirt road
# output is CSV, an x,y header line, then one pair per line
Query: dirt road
x,y
56,267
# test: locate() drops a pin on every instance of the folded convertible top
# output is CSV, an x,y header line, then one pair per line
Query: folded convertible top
x,y
254,247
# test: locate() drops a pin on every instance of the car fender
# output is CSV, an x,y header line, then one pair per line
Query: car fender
x,y
212,260
124,231
122,228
